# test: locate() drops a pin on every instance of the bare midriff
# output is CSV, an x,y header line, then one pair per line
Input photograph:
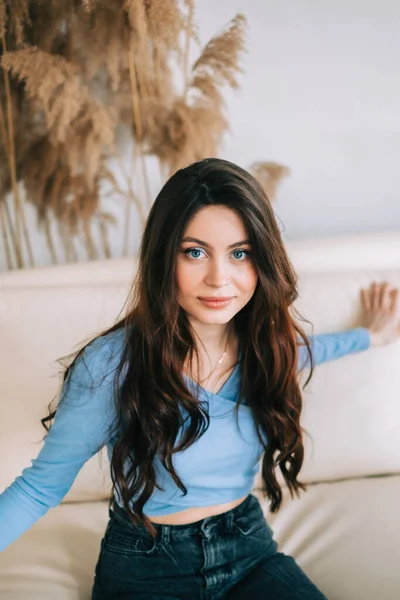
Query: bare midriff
x,y
198,513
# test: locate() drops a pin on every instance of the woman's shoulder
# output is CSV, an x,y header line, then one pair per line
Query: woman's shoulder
x,y
108,344
101,356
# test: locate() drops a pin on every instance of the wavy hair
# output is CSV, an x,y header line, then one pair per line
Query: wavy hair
x,y
158,338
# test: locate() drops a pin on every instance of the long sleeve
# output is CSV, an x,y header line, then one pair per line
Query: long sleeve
x,y
81,427
330,346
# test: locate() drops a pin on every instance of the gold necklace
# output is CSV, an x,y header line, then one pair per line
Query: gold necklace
x,y
218,363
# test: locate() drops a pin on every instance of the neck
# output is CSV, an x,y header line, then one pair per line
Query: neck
x,y
212,341
213,338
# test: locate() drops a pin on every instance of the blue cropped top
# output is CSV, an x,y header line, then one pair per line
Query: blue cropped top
x,y
219,467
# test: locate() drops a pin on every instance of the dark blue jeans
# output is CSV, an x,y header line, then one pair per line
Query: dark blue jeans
x,y
232,555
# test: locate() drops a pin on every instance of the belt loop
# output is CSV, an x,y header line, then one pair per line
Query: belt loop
x,y
229,520
165,533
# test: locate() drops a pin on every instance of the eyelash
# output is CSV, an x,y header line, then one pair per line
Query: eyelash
x,y
188,250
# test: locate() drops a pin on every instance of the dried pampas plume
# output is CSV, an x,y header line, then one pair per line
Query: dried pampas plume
x,y
75,75
2,18
74,118
18,18
269,175
220,55
192,128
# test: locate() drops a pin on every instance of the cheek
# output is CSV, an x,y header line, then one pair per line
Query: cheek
x,y
186,277
249,280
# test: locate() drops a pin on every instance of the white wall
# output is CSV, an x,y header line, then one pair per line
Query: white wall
x,y
320,94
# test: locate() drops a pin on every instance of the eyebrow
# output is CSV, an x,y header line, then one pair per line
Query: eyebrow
x,y
190,239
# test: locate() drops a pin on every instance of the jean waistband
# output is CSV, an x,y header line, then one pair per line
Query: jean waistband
x,y
250,507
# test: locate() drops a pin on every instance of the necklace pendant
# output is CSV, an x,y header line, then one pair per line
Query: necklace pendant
x,y
221,359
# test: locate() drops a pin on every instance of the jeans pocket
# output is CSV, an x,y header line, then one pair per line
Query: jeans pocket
x,y
246,526
129,540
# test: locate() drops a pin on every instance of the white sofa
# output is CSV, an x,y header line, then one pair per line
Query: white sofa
x,y
344,531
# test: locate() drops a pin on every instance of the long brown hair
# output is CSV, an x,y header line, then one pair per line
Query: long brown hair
x,y
158,338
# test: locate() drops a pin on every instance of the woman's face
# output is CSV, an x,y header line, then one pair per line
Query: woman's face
x,y
216,253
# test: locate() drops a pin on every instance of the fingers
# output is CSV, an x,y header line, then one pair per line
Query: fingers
x,y
365,299
386,290
380,296
372,294
394,300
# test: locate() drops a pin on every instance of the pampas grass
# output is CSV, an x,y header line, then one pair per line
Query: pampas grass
x,y
2,18
269,175
192,127
54,87
73,74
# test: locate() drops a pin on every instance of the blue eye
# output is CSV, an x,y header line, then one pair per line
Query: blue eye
x,y
190,250
243,252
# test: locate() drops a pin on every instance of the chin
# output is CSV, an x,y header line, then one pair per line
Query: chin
x,y
212,318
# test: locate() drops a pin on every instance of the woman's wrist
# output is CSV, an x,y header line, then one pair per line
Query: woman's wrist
x,y
374,337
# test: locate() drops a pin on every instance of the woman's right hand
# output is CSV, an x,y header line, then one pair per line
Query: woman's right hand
x,y
380,304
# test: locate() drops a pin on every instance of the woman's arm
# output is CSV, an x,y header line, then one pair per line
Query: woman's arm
x,y
80,428
330,346
380,314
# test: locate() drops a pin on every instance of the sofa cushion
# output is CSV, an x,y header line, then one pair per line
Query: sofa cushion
x,y
40,324
345,535
351,405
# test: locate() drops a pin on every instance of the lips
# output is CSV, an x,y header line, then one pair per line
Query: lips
x,y
213,299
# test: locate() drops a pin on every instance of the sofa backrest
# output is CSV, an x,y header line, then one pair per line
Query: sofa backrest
x,y
350,408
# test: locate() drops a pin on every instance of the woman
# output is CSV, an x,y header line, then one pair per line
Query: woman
x,y
189,391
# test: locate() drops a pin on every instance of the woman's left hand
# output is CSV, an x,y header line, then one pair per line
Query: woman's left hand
x,y
380,304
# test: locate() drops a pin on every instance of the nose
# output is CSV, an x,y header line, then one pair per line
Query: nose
x,y
218,273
